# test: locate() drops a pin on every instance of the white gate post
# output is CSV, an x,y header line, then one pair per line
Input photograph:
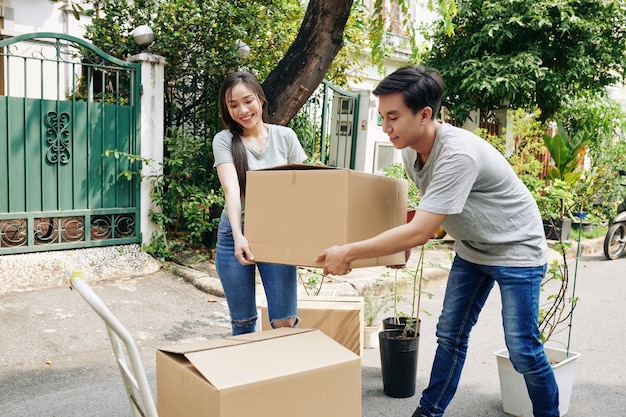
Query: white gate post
x,y
152,117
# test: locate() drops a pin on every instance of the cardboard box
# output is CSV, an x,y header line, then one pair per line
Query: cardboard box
x,y
294,212
340,318
282,372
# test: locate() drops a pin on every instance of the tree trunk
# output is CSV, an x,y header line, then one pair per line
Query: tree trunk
x,y
306,62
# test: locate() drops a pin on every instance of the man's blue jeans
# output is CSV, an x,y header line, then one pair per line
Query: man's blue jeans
x,y
279,282
467,289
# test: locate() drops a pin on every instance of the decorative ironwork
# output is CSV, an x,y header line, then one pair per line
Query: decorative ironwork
x,y
124,225
72,229
101,228
45,230
58,137
13,233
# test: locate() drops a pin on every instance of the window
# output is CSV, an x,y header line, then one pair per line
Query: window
x,y
384,156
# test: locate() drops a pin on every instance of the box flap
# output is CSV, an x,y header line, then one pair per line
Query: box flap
x,y
183,348
259,336
279,353
298,167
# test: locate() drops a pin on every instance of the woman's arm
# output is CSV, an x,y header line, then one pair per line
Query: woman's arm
x,y
227,175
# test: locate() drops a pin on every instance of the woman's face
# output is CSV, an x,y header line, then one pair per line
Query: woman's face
x,y
244,106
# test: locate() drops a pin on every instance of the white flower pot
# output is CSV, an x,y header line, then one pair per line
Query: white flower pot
x,y
370,336
515,399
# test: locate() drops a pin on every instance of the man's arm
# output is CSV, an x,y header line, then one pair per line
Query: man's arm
x,y
418,231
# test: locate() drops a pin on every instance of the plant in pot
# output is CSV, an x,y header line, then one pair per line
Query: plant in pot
x,y
567,154
374,300
399,346
554,199
587,191
555,317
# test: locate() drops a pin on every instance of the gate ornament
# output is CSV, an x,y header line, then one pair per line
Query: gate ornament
x,y
58,137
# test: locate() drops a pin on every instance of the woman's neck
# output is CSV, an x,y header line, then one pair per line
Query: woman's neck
x,y
260,130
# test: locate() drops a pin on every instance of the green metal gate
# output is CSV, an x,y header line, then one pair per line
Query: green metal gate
x,y
66,103
327,126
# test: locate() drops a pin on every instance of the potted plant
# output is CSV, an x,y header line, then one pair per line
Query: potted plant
x,y
312,282
374,299
555,316
556,198
399,346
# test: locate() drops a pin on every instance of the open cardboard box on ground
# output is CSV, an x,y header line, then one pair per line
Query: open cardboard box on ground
x,y
340,318
282,372
294,212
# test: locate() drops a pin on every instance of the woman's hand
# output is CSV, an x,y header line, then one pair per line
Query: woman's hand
x,y
242,251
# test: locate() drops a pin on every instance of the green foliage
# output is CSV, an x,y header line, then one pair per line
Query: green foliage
x,y
77,7
525,153
396,170
554,198
188,203
598,114
406,30
526,158
523,53
307,131
349,63
375,297
560,303
199,36
129,173
605,120
311,279
567,153
393,298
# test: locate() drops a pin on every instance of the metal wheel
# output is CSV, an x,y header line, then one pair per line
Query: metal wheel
x,y
615,241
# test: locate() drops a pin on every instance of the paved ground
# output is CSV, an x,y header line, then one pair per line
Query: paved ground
x,y
55,358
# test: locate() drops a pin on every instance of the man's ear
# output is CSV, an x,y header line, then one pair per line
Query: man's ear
x,y
426,113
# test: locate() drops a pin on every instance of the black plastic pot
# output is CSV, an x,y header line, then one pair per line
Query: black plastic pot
x,y
389,323
557,229
398,359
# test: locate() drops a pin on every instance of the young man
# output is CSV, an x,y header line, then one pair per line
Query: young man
x,y
470,189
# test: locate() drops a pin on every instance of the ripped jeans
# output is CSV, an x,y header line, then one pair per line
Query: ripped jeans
x,y
279,282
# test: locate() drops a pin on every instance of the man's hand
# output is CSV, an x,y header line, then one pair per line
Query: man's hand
x,y
335,261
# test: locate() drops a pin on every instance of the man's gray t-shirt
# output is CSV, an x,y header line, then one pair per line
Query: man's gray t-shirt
x,y
491,214
282,148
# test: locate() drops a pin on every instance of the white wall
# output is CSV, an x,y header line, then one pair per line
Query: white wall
x,y
371,138
27,16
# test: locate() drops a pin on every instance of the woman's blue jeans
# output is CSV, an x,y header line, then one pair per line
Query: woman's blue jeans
x,y
279,282
466,292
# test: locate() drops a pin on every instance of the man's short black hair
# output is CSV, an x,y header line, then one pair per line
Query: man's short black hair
x,y
420,86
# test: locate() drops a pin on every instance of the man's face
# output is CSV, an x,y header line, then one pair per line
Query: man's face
x,y
403,127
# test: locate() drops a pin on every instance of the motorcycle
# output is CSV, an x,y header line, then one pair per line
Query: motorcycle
x,y
615,240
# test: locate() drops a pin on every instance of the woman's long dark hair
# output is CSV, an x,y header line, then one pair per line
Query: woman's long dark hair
x,y
238,149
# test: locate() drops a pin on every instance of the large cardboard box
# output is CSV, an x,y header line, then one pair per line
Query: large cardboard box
x,y
282,372
294,212
340,318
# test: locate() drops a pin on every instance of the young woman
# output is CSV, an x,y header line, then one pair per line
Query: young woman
x,y
246,143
